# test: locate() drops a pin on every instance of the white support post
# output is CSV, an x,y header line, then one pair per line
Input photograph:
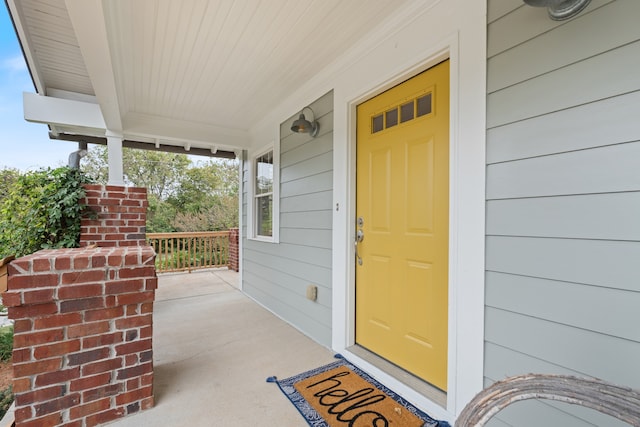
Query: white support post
x,y
114,156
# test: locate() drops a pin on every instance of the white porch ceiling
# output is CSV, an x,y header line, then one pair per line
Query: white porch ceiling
x,y
201,71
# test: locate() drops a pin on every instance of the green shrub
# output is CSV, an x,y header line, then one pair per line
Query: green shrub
x,y
6,398
176,259
181,258
6,347
42,211
6,344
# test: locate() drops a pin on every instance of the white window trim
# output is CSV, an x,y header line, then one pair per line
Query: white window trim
x,y
251,220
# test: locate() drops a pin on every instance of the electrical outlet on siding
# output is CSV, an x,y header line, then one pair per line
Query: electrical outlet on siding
x,y
312,292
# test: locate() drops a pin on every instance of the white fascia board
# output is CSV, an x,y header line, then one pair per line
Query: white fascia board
x,y
61,112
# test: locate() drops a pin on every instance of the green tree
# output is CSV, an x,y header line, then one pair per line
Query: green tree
x,y
208,195
42,210
159,172
221,215
160,215
182,196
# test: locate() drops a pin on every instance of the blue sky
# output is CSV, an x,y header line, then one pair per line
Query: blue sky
x,y
23,145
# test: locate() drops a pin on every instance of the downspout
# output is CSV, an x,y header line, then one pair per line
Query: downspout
x,y
74,157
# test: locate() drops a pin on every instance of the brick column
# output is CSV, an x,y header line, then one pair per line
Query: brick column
x,y
234,255
83,334
121,216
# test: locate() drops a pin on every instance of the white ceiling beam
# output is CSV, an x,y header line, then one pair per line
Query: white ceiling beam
x,y
200,134
88,20
61,112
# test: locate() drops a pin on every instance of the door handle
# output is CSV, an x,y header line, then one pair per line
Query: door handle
x,y
359,238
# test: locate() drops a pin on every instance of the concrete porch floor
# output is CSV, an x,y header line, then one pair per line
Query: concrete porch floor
x,y
213,350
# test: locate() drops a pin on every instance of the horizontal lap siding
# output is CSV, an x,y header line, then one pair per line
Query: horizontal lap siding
x,y
277,274
563,201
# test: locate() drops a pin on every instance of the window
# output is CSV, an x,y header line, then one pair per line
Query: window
x,y
263,209
263,197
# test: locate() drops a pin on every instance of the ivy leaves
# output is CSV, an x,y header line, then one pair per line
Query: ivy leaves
x,y
42,210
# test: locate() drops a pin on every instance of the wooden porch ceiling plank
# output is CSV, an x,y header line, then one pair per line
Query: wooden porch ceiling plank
x,y
161,35
59,57
205,47
265,39
173,70
183,60
222,72
49,7
55,80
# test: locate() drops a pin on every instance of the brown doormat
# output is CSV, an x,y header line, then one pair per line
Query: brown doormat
x,y
339,394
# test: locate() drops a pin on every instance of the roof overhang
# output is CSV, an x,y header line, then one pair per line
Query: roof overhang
x,y
194,74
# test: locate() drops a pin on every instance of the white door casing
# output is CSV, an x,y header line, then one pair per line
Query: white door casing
x,y
454,27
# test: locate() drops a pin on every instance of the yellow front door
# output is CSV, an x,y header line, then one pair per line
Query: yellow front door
x,y
403,220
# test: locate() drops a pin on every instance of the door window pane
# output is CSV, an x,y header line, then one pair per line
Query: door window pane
x,y
378,123
391,117
406,112
424,105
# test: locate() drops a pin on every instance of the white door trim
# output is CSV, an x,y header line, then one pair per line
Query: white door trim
x,y
467,208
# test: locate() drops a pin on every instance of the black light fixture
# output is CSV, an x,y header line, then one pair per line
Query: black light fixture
x,y
302,125
559,10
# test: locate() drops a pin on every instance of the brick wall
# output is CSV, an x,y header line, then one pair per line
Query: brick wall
x,y
83,334
234,255
121,216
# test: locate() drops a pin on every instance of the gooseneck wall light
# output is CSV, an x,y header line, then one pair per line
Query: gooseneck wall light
x,y
559,10
302,125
